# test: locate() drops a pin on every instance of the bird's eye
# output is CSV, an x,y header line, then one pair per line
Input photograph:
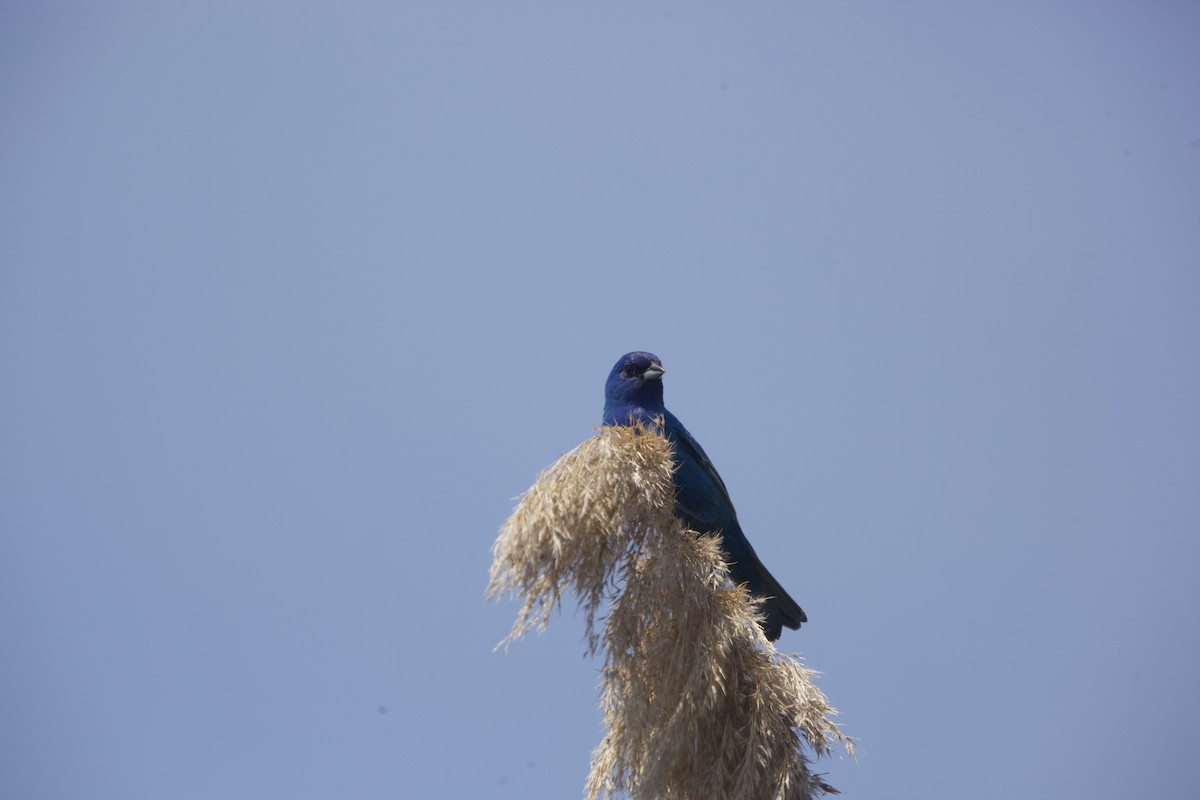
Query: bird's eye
x,y
628,371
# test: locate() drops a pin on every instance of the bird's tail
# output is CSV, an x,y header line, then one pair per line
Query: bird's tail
x,y
778,606
780,609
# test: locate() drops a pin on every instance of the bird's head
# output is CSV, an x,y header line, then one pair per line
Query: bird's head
x,y
635,380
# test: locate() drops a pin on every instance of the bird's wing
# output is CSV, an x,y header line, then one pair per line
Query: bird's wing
x,y
708,507
692,449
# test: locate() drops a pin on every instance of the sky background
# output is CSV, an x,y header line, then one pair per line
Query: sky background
x,y
295,300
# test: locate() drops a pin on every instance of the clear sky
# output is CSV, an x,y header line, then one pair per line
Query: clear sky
x,y
295,300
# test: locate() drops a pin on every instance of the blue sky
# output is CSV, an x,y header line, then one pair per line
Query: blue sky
x,y
295,300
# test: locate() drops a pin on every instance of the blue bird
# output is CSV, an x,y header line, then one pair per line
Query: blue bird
x,y
634,392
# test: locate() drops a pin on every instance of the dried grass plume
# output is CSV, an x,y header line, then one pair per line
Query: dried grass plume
x,y
697,703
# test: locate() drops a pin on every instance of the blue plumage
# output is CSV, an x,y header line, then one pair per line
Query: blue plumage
x,y
634,391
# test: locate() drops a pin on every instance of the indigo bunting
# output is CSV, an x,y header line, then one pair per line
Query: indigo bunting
x,y
634,392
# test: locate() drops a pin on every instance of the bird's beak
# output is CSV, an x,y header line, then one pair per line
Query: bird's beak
x,y
654,372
